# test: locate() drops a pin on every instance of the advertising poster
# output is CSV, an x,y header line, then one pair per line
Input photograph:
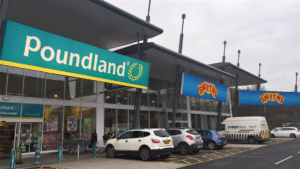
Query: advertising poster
x,y
52,124
87,126
72,123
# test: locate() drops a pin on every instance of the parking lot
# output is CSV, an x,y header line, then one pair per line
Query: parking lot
x,y
174,161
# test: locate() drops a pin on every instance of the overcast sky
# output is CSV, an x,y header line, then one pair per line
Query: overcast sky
x,y
266,32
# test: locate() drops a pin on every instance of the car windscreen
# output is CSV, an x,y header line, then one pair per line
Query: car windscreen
x,y
194,132
161,133
220,133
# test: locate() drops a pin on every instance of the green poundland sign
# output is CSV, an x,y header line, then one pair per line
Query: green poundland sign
x,y
34,49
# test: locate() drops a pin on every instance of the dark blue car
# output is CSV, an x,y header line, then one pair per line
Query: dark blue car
x,y
213,139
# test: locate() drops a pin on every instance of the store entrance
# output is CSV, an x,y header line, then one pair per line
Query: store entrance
x,y
30,137
7,138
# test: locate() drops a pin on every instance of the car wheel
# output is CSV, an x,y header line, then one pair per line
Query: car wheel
x,y
165,156
272,136
145,154
211,145
251,140
184,148
110,152
293,136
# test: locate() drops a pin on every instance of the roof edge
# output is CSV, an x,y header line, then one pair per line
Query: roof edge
x,y
127,15
242,70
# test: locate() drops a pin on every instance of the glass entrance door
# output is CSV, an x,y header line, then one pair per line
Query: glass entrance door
x,y
30,137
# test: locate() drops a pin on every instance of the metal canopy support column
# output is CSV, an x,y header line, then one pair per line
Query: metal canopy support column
x,y
219,111
175,95
137,107
258,88
236,95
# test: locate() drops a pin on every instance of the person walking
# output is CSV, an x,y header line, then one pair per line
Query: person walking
x,y
94,138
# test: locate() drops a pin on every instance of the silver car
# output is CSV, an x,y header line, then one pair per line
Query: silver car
x,y
292,132
186,140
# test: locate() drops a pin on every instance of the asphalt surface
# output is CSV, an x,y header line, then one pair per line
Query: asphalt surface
x,y
285,155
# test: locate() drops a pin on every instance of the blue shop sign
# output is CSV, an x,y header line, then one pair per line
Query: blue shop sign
x,y
269,98
199,87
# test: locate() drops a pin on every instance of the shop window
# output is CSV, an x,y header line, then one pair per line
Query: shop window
x,y
144,101
34,84
184,116
181,102
53,126
153,98
3,79
89,92
199,120
110,93
170,94
214,122
194,121
203,106
195,103
73,88
15,81
88,122
131,114
209,125
122,96
110,120
162,120
132,96
122,121
153,119
72,122
55,86
30,137
204,122
178,116
162,93
144,119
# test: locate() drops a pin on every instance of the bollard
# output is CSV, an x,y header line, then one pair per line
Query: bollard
x,y
77,151
37,156
12,159
59,158
94,150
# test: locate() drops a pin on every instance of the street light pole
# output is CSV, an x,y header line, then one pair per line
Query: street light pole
x,y
258,88
224,51
148,16
238,64
295,115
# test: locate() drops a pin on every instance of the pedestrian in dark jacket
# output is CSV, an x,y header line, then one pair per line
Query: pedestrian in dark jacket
x,y
94,138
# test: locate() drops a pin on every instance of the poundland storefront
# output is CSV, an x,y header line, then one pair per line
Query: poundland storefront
x,y
59,84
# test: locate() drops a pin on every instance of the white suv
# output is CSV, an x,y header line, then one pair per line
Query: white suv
x,y
143,142
292,132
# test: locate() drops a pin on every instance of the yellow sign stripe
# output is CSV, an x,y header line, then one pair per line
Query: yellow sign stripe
x,y
37,118
36,68
17,118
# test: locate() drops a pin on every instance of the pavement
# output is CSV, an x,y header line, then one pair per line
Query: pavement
x,y
175,160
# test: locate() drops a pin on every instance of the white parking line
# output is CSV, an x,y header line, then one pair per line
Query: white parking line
x,y
283,160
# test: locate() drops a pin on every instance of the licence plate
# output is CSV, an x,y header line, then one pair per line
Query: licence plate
x,y
166,142
198,138
225,142
199,146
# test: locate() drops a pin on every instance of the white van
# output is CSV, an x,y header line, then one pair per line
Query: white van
x,y
252,129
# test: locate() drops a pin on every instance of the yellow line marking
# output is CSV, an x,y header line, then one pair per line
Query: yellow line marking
x,y
41,69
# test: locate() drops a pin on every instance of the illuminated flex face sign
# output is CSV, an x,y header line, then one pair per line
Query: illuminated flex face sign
x,y
30,48
198,87
268,98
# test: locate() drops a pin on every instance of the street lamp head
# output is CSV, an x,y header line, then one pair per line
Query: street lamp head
x,y
259,64
296,73
239,51
225,42
183,16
